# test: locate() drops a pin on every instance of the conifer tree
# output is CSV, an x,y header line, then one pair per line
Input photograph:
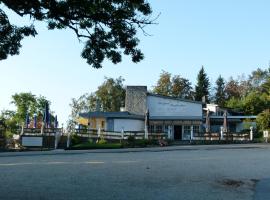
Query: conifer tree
x,y
220,91
202,87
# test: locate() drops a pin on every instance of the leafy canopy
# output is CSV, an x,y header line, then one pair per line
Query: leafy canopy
x,y
108,27
175,86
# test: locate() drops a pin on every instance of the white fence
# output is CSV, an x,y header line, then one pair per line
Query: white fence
x,y
92,133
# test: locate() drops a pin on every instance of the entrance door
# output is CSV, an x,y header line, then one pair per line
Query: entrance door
x,y
178,132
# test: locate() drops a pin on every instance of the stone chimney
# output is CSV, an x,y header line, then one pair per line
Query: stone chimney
x,y
136,99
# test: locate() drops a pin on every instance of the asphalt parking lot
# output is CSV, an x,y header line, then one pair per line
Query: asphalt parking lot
x,y
185,172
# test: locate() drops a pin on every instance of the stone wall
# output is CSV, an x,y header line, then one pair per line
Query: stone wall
x,y
136,99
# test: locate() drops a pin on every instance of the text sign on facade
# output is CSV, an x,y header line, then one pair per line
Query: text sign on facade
x,y
32,141
265,134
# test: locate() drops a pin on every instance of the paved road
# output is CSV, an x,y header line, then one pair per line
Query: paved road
x,y
191,172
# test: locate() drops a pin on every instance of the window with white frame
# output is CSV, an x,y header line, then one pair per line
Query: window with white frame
x,y
187,132
196,129
187,129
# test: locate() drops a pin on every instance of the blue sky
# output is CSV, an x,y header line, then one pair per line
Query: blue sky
x,y
227,37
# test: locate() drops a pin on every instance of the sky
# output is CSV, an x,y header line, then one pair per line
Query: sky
x,y
227,37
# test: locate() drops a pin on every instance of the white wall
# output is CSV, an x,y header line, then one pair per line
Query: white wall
x,y
128,125
159,106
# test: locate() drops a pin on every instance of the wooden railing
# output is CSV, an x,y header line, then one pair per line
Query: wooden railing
x,y
226,136
93,133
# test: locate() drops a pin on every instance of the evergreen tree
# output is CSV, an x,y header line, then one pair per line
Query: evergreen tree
x,y
220,91
202,87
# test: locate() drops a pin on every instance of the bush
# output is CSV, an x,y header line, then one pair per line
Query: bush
x,y
75,139
131,139
102,141
141,143
8,134
84,146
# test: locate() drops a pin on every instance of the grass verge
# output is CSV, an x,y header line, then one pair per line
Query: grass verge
x,y
84,146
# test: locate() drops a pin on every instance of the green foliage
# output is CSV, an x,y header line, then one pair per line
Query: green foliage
x,y
111,94
252,104
202,87
75,139
164,84
7,117
175,86
263,120
27,103
131,140
102,141
108,28
82,146
8,134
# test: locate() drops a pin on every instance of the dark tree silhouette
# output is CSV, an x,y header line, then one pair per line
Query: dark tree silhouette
x,y
108,27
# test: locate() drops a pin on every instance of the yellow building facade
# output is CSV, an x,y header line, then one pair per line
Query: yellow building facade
x,y
93,122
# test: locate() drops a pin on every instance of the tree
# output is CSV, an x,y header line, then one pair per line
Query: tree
x,y
111,94
106,27
181,88
25,103
84,103
202,87
175,86
164,84
28,103
263,120
259,77
232,89
220,96
254,103
8,118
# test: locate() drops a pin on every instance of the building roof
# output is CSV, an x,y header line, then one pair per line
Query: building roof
x,y
174,98
231,118
121,115
168,118
234,117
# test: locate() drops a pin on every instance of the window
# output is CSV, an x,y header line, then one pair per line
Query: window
x,y
166,127
159,128
187,131
196,129
152,128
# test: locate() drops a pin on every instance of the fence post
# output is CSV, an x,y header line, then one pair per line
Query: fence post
x,y
56,137
251,133
122,133
221,133
191,133
68,139
146,132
